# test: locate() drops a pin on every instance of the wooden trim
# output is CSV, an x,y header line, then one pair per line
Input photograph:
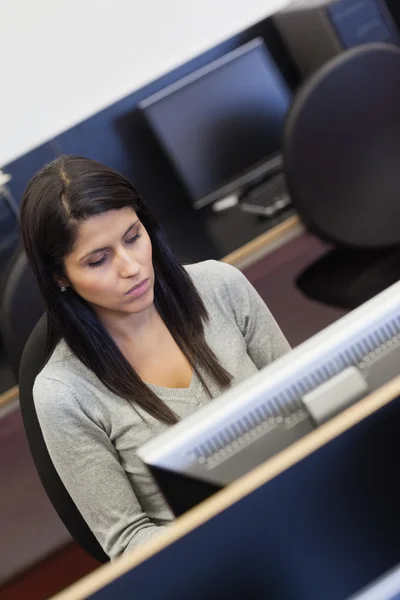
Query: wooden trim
x,y
9,395
260,243
235,492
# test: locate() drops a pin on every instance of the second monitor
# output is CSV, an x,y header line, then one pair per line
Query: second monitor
x,y
221,126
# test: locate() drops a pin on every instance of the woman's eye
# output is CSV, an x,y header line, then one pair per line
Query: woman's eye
x,y
102,260
133,239
98,263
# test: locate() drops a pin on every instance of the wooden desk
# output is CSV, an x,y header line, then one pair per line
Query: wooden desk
x,y
319,520
9,396
263,244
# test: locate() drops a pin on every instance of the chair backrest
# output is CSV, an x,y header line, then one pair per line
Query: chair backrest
x,y
342,148
9,250
31,364
21,307
9,233
8,255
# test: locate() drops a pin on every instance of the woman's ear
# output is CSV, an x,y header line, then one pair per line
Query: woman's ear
x,y
61,281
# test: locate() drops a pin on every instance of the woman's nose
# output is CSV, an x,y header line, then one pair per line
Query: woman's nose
x,y
128,265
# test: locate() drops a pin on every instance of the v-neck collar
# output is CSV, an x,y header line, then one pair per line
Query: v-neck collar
x,y
187,392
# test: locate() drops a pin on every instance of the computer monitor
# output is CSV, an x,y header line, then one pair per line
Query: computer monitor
x,y
256,419
221,126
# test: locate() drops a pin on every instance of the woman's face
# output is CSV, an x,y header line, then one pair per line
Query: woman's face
x,y
111,264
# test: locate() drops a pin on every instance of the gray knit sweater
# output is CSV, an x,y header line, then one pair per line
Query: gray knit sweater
x,y
92,435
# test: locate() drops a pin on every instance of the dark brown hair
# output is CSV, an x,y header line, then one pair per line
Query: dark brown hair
x,y
57,199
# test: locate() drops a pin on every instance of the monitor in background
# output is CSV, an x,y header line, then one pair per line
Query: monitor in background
x,y
279,405
221,126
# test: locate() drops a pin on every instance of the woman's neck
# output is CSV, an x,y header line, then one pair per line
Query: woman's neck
x,y
125,328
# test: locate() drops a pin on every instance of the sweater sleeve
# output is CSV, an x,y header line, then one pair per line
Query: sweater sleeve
x,y
88,465
265,341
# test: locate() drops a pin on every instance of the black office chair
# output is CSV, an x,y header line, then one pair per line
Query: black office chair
x,y
31,364
342,161
21,306
7,254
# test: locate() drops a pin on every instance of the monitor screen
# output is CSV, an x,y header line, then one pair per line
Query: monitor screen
x,y
222,123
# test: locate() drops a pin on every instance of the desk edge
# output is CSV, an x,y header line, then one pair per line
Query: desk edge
x,y
9,396
264,241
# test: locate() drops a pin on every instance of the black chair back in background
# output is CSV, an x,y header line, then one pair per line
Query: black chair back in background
x,y
342,156
7,259
31,364
21,307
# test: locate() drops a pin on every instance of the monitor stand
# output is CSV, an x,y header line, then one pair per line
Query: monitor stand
x,y
225,203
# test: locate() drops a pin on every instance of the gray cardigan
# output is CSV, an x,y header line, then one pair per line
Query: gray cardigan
x,y
92,435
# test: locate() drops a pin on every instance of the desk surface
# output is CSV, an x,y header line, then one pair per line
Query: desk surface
x,y
204,234
264,243
243,488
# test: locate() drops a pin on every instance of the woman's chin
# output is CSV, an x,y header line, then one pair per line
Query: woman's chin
x,y
140,304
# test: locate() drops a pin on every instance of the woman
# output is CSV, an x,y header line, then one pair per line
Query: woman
x,y
135,343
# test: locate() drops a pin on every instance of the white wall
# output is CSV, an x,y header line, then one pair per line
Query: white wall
x,y
63,60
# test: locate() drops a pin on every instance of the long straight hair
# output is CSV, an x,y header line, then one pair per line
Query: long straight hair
x,y
56,201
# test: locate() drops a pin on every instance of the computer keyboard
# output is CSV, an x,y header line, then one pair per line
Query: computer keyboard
x,y
268,198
